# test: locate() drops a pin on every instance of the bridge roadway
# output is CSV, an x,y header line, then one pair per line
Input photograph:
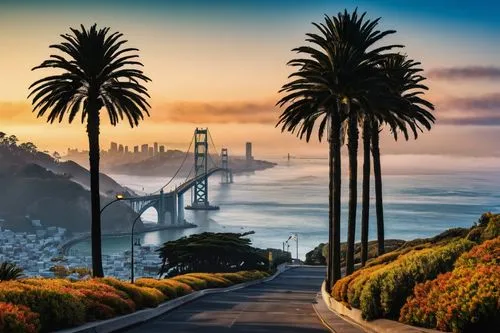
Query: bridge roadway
x,y
281,305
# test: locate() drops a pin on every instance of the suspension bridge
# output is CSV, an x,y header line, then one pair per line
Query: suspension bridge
x,y
169,205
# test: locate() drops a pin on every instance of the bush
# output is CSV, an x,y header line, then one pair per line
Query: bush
x,y
386,290
18,319
195,283
143,297
213,281
465,300
168,287
235,278
487,253
58,309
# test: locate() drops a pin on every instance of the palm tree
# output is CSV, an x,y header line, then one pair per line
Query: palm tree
x,y
405,79
95,74
328,87
10,271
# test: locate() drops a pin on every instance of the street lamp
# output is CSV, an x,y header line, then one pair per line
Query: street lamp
x,y
118,197
132,249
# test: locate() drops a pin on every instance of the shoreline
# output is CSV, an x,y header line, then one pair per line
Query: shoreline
x,y
64,247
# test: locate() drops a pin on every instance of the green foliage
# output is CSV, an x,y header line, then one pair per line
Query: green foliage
x,y
18,319
386,291
211,252
57,309
464,300
315,256
142,296
10,271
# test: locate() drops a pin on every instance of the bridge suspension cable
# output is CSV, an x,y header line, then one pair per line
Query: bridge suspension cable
x,y
215,149
180,167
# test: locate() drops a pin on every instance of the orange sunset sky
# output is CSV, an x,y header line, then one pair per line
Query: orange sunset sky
x,y
221,66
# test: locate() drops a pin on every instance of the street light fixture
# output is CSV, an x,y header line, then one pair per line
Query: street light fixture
x,y
132,249
118,197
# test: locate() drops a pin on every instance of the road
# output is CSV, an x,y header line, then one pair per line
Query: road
x,y
281,305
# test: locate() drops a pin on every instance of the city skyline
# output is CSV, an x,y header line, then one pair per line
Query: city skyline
x,y
245,46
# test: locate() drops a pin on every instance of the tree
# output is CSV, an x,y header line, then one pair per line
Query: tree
x,y
96,73
405,81
56,156
211,252
10,271
329,86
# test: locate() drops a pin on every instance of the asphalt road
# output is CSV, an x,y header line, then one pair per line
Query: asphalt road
x,y
281,305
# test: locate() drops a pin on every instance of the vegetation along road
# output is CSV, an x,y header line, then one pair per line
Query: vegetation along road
x,y
281,305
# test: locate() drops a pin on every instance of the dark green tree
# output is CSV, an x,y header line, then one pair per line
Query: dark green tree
x,y
329,87
10,271
413,114
97,72
211,252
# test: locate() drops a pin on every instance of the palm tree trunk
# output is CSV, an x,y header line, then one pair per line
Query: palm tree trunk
x,y
378,188
329,259
93,133
353,192
335,182
365,213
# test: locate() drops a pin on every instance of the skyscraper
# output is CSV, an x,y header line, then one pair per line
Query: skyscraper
x,y
162,149
151,152
113,148
136,149
249,151
126,149
155,145
120,149
144,149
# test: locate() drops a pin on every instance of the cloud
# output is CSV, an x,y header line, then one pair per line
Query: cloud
x,y
263,112
470,72
478,110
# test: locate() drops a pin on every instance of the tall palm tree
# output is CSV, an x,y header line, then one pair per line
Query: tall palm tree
x,y
412,112
328,87
96,73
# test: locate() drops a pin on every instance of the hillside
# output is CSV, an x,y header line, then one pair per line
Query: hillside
x,y
35,187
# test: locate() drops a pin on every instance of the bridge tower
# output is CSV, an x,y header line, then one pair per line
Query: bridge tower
x,y
226,175
200,189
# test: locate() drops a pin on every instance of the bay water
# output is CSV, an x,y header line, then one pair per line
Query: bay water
x,y
423,195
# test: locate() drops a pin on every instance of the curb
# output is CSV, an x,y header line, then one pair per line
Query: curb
x,y
374,326
134,318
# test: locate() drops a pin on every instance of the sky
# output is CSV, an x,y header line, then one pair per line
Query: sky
x,y
220,64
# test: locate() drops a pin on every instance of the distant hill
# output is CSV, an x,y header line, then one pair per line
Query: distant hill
x,y
36,187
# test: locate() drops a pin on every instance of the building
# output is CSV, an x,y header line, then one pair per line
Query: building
x,y
120,149
249,151
136,149
144,149
155,146
162,149
126,149
151,152
113,147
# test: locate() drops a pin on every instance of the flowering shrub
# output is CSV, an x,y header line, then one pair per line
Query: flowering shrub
x,y
464,300
142,296
45,305
168,287
193,282
386,291
58,307
488,253
17,319
213,281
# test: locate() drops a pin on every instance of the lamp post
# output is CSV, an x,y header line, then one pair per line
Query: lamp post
x,y
118,197
132,249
